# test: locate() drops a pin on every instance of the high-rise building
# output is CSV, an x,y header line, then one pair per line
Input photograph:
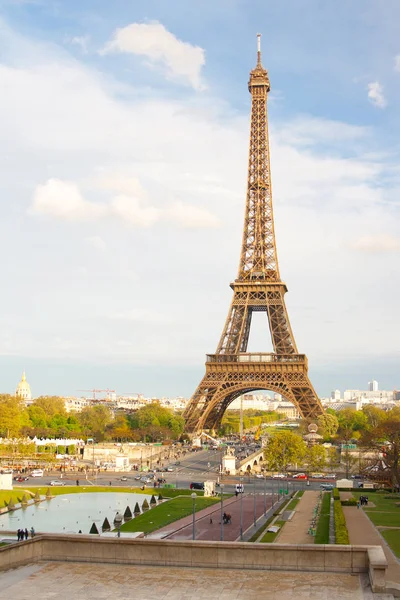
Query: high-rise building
x,y
335,395
373,386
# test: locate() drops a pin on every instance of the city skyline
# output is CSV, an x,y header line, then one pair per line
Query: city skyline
x,y
132,137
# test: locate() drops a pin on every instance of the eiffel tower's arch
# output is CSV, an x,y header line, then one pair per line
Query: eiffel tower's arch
x,y
232,371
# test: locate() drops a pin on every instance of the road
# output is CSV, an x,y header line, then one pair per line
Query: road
x,y
193,467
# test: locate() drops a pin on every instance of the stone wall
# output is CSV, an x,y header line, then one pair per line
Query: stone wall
x,y
224,555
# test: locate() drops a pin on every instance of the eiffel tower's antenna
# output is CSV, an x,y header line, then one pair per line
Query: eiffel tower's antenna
x,y
258,48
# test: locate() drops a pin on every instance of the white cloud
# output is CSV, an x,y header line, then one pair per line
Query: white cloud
x,y
131,211
180,60
138,314
397,62
376,95
377,243
97,242
192,217
63,200
82,41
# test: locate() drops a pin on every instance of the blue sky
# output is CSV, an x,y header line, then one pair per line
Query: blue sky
x,y
123,169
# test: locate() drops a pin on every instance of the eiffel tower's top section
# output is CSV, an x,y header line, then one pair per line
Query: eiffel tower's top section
x,y
258,259
259,75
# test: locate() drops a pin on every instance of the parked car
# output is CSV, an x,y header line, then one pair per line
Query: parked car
x,y
137,478
278,476
57,482
330,476
318,476
299,476
169,469
196,486
20,478
357,477
124,478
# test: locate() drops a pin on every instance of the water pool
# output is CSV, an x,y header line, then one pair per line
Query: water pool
x,y
69,513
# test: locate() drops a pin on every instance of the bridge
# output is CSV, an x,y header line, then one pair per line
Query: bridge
x,y
252,463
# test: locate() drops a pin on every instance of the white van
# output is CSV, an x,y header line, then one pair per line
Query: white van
x,y
37,473
239,488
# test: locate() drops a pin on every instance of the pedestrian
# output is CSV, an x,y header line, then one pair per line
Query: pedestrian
x,y
19,535
26,533
211,522
32,532
110,483
358,504
77,482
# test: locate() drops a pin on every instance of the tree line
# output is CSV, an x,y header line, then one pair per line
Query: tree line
x,y
46,417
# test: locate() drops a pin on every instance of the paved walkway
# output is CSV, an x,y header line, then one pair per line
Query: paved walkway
x,y
296,530
207,530
363,532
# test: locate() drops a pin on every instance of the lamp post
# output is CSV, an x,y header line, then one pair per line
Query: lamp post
x,y
255,501
241,509
118,522
221,487
194,496
265,495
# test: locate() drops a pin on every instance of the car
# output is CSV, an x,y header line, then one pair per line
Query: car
x,y
178,462
326,486
169,469
278,476
330,476
124,479
259,476
20,478
317,476
299,476
357,477
57,482
137,478
196,486
37,473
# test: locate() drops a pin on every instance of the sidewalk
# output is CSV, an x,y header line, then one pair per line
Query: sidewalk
x,y
363,532
208,520
296,530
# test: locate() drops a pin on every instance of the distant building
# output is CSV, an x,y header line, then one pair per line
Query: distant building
x,y
373,386
24,389
335,395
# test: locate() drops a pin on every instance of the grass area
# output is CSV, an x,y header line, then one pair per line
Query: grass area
x,y
17,494
385,519
166,513
322,533
293,503
257,534
392,536
385,513
269,537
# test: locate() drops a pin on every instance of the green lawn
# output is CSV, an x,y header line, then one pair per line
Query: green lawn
x,y
322,533
392,536
382,503
385,519
166,513
269,537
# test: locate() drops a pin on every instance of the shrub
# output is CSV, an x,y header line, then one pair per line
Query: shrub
x,y
336,494
145,505
136,510
153,500
349,502
341,533
106,525
94,529
322,533
127,514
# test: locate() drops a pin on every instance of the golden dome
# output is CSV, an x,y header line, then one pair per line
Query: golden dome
x,y
23,389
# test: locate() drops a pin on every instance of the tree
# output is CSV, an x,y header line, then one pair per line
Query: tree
x,y
385,438
316,457
51,405
11,415
375,416
94,420
328,425
284,448
156,422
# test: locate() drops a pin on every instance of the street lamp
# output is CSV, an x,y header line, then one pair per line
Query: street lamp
x,y
221,487
255,502
194,496
118,522
265,495
241,509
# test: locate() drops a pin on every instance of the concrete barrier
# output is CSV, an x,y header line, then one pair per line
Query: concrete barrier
x,y
224,555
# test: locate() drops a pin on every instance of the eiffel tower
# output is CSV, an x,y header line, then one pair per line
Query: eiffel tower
x,y
232,371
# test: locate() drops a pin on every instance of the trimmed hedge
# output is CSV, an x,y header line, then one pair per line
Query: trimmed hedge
x,y
349,502
336,494
341,533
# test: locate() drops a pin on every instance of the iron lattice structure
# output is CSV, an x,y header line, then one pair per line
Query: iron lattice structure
x,y
232,371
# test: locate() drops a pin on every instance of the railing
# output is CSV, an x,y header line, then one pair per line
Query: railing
x,y
259,357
